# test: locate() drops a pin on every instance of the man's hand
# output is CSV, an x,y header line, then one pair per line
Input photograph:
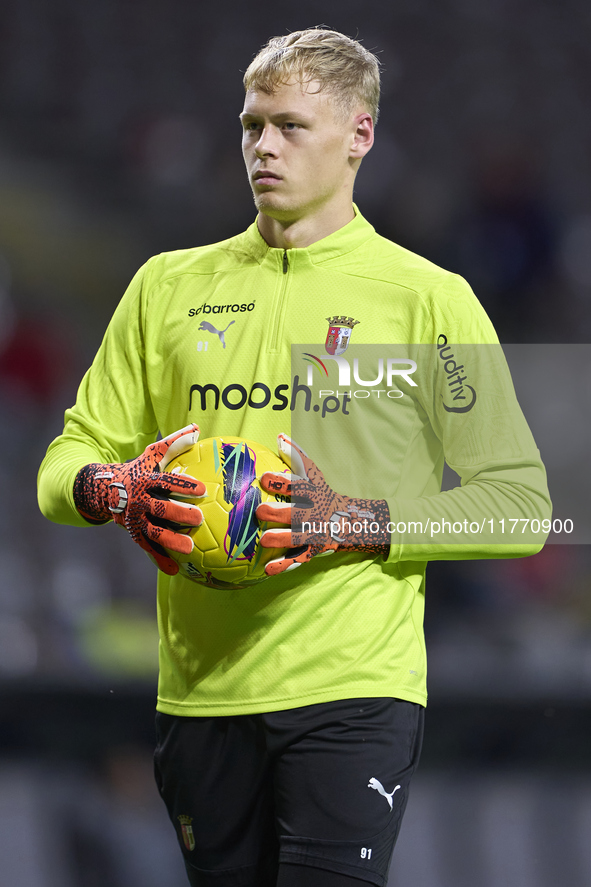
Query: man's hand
x,y
136,495
318,520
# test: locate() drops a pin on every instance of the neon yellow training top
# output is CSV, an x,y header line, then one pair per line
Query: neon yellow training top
x,y
204,335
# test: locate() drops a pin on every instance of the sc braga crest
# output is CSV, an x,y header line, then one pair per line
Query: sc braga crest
x,y
337,342
339,334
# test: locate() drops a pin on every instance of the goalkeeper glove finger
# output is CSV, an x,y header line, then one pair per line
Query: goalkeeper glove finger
x,y
317,519
137,496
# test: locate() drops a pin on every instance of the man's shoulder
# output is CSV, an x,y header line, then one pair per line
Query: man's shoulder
x,y
382,259
213,258
448,299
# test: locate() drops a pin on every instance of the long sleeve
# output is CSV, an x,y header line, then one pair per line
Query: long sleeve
x,y
502,507
112,419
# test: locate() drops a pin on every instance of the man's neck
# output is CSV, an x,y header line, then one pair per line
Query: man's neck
x,y
304,231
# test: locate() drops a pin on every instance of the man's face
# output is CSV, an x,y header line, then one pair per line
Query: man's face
x,y
297,150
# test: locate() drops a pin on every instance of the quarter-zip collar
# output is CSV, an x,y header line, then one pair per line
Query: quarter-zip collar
x,y
340,242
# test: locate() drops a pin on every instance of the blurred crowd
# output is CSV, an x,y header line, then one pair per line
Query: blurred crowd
x,y
119,139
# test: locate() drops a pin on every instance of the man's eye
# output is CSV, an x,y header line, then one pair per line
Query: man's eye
x,y
291,126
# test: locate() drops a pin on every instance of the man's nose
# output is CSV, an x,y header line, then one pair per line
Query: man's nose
x,y
267,143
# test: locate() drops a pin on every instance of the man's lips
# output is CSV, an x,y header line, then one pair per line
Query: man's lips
x,y
265,177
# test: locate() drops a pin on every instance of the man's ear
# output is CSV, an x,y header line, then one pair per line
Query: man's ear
x,y
363,134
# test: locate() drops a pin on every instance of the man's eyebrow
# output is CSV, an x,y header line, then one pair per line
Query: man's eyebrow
x,y
282,116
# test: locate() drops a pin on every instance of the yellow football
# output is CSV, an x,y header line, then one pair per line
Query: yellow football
x,y
227,550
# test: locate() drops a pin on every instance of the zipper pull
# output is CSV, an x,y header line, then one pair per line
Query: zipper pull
x,y
285,261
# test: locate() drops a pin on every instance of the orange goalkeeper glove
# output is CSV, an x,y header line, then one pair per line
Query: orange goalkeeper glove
x,y
136,495
318,520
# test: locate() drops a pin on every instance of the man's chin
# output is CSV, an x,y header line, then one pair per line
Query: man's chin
x,y
269,205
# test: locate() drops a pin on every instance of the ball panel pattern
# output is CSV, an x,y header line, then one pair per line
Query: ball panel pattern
x,y
227,552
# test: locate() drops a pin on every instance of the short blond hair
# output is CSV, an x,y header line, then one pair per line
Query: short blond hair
x,y
348,72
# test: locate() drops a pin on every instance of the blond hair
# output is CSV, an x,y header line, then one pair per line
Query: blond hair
x,y
348,72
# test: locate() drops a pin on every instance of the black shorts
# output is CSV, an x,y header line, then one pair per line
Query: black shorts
x,y
323,785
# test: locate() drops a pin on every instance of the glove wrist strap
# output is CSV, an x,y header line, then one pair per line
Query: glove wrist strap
x,y
117,498
363,526
92,493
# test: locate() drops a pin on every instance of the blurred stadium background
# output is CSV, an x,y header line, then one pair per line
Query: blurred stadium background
x,y
119,139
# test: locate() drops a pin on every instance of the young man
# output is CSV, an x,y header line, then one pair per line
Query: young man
x,y
290,713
